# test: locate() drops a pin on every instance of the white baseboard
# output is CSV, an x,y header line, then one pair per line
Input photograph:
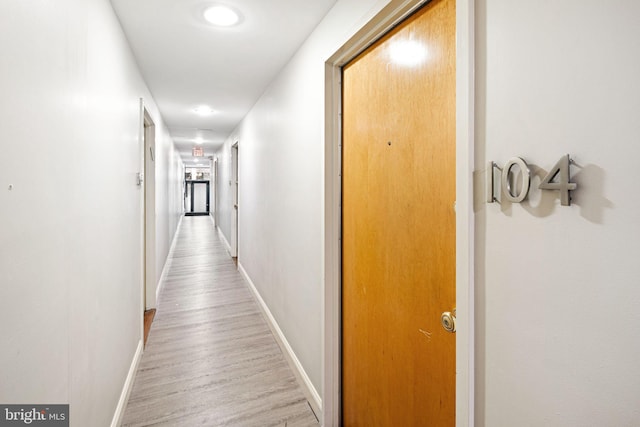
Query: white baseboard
x,y
307,387
128,385
225,242
167,261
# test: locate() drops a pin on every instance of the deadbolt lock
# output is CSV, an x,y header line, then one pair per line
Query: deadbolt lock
x,y
448,320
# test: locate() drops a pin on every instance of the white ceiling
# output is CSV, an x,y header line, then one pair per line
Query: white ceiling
x,y
187,62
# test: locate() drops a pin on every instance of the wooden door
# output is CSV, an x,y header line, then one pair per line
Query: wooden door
x,y
398,277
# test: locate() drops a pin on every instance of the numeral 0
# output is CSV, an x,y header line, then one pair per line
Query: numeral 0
x,y
559,171
506,181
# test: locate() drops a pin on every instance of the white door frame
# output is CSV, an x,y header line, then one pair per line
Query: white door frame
x,y
390,16
216,206
141,179
235,199
213,179
147,133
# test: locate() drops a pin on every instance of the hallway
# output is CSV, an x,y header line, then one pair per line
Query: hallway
x,y
211,358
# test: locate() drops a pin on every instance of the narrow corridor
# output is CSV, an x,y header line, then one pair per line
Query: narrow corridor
x,y
211,359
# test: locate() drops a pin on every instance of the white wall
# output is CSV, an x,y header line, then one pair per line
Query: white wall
x,y
557,287
70,255
169,195
224,204
557,339
281,151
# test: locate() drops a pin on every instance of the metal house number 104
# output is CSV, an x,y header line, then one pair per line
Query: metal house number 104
x,y
558,178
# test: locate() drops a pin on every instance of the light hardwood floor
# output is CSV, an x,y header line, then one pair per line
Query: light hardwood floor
x,y
211,359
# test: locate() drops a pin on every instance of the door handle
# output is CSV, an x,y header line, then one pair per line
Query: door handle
x,y
448,321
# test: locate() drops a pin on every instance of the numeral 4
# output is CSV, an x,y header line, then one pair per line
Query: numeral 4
x,y
562,184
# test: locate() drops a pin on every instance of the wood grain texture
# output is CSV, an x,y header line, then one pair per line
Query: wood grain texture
x,y
211,359
399,226
148,320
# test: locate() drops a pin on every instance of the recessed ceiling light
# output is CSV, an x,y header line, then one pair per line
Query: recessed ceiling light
x,y
198,141
203,110
222,16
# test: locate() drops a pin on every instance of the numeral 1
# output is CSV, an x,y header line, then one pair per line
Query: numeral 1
x,y
563,183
